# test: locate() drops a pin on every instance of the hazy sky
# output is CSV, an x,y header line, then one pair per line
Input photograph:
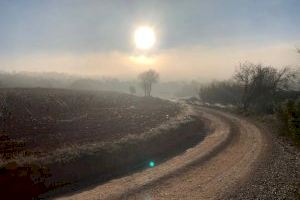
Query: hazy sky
x,y
195,38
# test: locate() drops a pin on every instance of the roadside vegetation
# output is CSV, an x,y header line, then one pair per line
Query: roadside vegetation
x,y
289,114
256,89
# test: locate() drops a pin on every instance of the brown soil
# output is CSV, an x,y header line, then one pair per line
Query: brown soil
x,y
37,121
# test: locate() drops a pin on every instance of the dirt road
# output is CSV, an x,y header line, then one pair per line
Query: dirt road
x,y
206,171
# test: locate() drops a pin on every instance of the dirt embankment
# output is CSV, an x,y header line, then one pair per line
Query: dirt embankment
x,y
132,153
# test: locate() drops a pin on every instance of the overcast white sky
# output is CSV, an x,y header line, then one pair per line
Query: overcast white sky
x,y
195,38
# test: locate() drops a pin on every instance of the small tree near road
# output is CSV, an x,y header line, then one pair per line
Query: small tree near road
x,y
148,78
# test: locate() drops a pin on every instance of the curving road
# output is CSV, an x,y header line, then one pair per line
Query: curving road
x,y
207,171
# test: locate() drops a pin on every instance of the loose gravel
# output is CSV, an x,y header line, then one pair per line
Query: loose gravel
x,y
277,173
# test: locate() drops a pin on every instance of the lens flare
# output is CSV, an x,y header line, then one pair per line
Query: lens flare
x,y
151,164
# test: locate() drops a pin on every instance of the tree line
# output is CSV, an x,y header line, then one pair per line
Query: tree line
x,y
259,89
253,87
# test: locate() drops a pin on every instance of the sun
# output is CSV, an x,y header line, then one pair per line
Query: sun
x,y
144,37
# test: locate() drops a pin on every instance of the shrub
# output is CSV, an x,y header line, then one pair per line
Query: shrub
x,y
289,114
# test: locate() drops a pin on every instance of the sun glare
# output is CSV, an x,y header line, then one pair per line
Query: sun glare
x,y
144,37
142,59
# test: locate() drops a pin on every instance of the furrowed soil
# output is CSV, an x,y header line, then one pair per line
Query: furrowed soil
x,y
40,120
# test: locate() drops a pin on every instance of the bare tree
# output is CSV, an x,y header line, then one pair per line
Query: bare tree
x,y
261,83
148,78
243,76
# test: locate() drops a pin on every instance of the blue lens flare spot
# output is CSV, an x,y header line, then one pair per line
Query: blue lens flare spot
x,y
151,164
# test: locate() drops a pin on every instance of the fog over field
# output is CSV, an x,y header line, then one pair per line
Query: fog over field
x,y
181,63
